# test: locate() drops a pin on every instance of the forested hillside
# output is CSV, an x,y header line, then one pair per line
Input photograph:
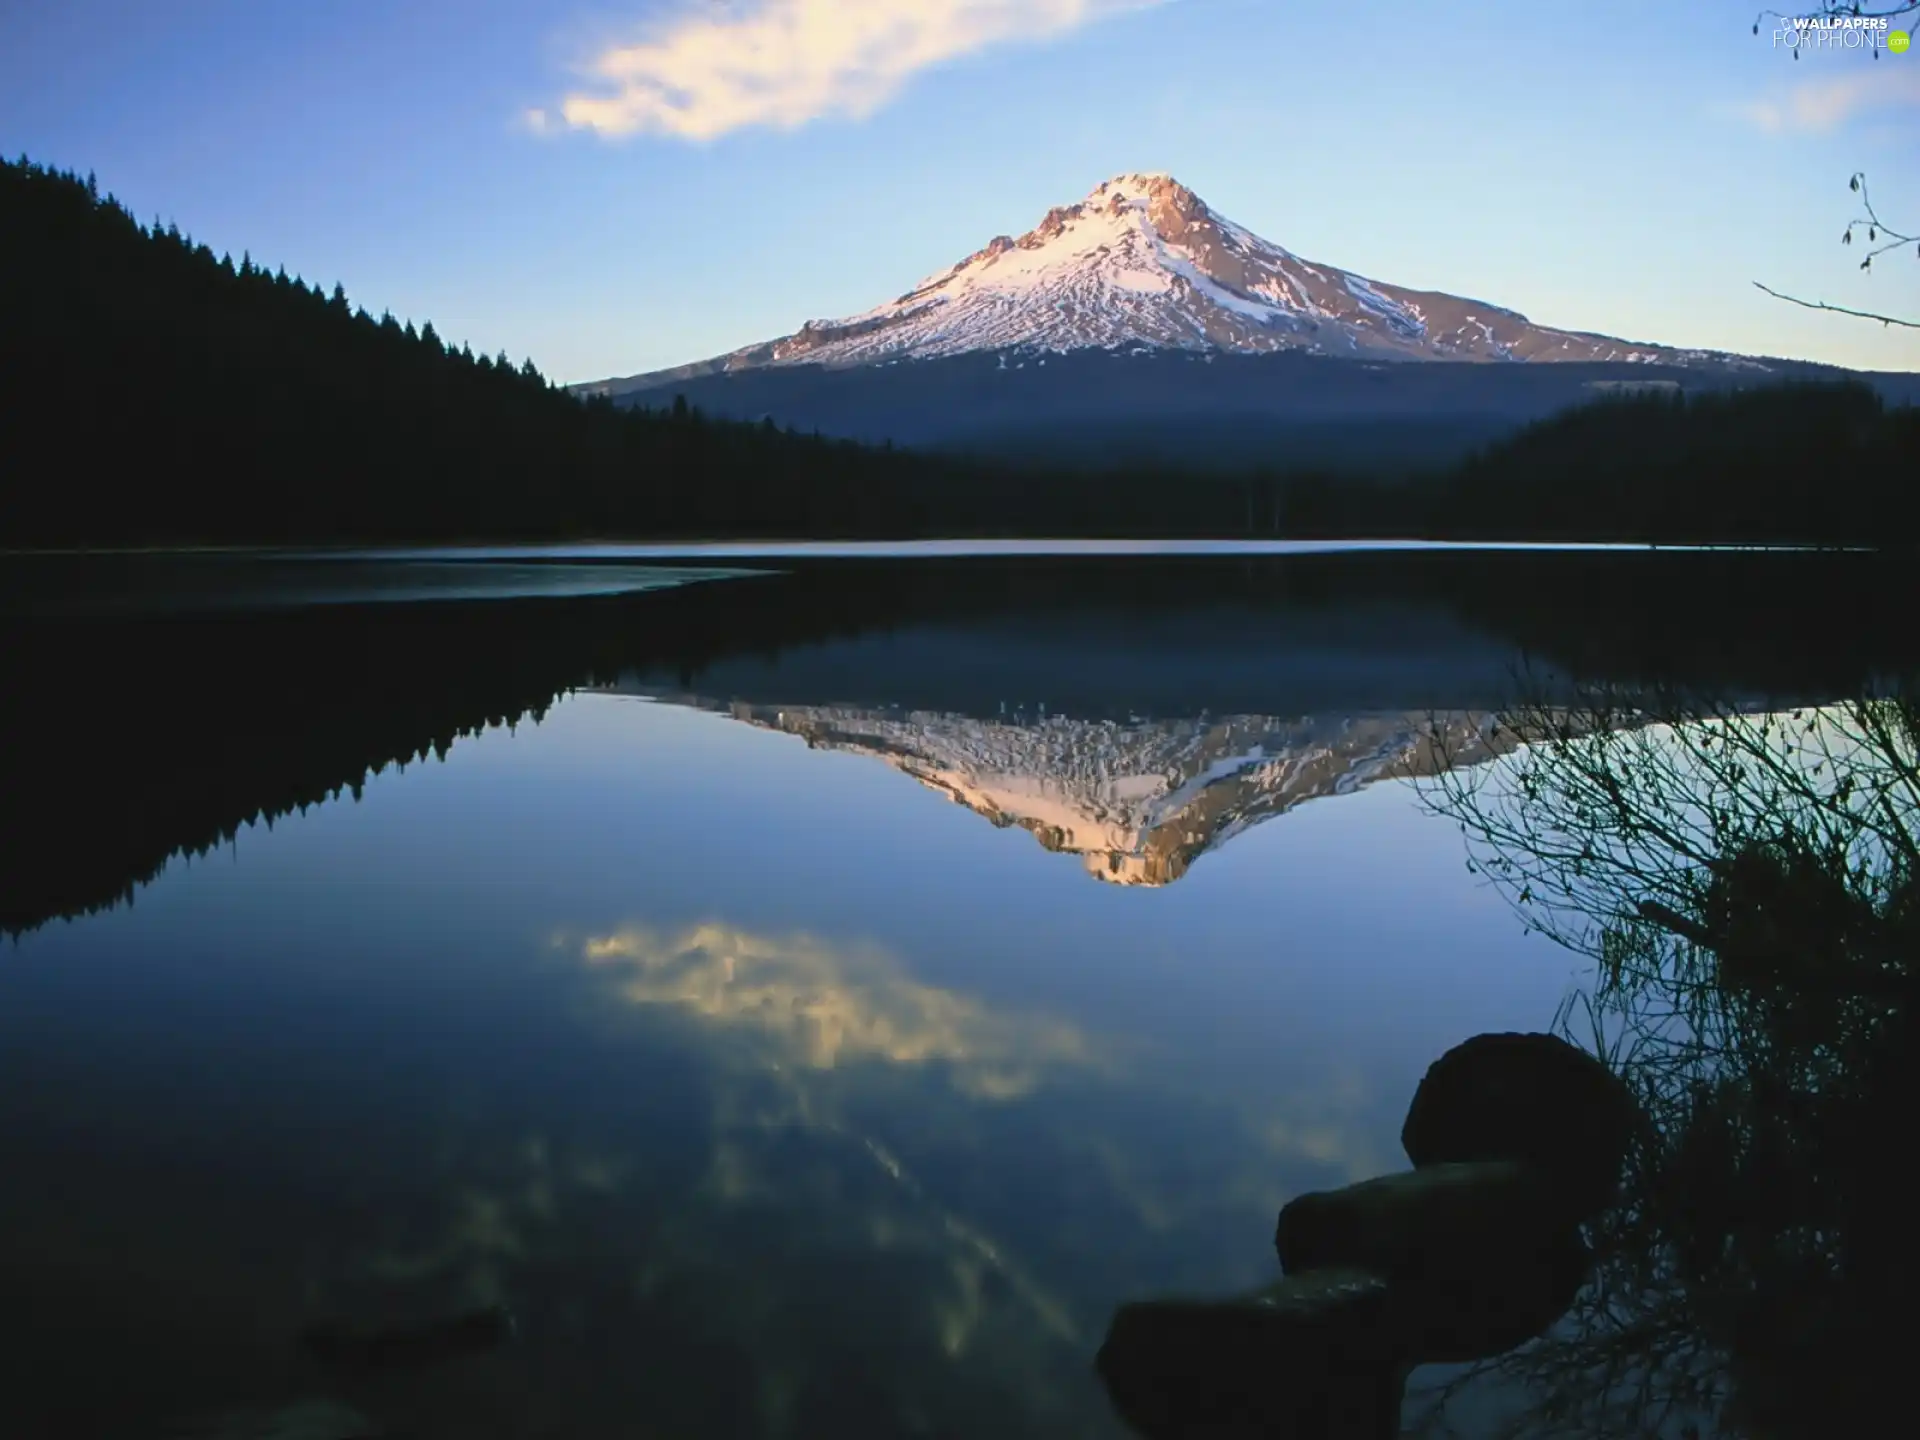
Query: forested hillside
x,y
153,392
1813,462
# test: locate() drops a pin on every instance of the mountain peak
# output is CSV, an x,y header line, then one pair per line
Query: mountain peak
x,y
1137,802
1142,261
1142,181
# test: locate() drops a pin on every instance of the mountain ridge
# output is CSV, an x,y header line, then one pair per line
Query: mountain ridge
x,y
1143,263
1138,800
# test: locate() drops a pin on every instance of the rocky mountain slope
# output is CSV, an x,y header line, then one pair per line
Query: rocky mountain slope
x,y
1138,801
1144,263
1139,325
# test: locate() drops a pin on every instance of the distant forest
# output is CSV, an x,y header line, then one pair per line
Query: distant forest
x,y
154,392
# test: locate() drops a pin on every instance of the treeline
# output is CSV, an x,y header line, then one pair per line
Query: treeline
x,y
1804,463
1819,463
152,392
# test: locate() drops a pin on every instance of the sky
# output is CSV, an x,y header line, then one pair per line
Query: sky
x,y
624,185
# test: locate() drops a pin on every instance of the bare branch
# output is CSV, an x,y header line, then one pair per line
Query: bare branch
x,y
1839,309
1878,234
1747,875
1834,9
1876,228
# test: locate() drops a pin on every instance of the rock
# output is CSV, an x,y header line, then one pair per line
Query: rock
x,y
305,1420
1397,1222
1453,1313
1310,1356
410,1348
1477,1258
1525,1097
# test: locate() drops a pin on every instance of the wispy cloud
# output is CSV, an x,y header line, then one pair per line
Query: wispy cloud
x,y
781,63
819,1006
1818,106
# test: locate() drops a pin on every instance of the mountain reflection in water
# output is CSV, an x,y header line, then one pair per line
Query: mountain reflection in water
x,y
249,714
1138,800
778,1098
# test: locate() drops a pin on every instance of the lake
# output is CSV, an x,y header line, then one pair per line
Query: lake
x,y
811,995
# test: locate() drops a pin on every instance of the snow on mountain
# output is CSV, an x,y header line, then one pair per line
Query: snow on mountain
x,y
1139,800
1143,262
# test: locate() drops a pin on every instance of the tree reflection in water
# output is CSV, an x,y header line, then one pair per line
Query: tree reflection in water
x,y
1745,878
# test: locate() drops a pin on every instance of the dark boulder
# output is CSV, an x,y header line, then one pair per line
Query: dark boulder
x,y
410,1347
1394,1223
1477,1257
1531,1098
306,1420
1312,1355
1451,1310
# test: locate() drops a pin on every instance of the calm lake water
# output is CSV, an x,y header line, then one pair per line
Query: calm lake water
x,y
810,1000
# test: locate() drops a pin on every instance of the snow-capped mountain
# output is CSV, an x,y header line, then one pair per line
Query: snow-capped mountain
x,y
1140,800
1143,263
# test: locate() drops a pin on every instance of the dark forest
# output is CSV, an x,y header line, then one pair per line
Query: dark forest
x,y
153,392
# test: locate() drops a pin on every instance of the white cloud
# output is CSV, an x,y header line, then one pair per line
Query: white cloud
x,y
1818,106
819,1006
782,63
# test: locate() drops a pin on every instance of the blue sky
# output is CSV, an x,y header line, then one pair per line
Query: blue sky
x,y
635,183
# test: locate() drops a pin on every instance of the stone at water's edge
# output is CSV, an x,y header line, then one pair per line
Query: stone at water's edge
x,y
1309,1356
1408,1220
1526,1097
305,1420
410,1347
1516,1139
1478,1258
1454,1313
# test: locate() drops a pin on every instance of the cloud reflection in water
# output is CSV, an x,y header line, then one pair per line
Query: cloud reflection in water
x,y
820,1006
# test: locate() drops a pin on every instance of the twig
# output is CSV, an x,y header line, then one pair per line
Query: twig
x,y
1838,8
1840,309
